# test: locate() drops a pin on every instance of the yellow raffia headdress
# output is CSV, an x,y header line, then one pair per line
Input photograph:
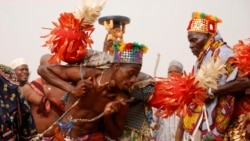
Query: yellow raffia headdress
x,y
204,23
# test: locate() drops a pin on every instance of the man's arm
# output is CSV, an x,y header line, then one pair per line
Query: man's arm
x,y
114,118
239,84
67,78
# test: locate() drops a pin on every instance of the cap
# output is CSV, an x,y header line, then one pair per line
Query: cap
x,y
17,62
176,63
204,23
129,52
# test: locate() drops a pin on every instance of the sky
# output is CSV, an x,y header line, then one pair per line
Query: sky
x,y
159,24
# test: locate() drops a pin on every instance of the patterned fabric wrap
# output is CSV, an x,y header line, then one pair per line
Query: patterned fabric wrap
x,y
16,121
220,109
8,73
242,107
46,139
97,59
234,133
90,137
139,117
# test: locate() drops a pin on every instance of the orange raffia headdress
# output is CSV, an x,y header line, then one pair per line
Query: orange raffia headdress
x,y
242,56
178,93
70,38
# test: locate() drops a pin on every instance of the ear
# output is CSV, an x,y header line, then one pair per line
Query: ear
x,y
117,66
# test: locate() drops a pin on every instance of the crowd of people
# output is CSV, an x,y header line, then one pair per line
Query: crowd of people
x,y
104,96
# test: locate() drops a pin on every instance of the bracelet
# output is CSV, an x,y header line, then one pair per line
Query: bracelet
x,y
210,93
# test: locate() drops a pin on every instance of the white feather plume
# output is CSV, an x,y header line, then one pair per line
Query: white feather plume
x,y
89,10
209,73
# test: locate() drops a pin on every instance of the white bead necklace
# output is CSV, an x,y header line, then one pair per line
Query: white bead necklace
x,y
99,82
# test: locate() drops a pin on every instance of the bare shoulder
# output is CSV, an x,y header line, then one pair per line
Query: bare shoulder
x,y
91,72
30,94
26,89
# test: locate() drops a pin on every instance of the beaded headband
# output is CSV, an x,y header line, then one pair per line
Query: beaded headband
x,y
129,52
204,23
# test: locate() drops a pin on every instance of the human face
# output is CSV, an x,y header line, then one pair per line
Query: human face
x,y
174,69
22,73
197,41
127,75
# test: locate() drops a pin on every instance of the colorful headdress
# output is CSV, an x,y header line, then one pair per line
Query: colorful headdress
x,y
202,22
70,38
129,52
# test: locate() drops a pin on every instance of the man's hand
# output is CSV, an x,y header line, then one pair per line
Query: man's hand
x,y
82,87
107,45
114,106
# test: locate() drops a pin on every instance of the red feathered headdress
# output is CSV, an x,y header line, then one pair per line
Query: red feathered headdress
x,y
180,93
70,38
242,56
177,93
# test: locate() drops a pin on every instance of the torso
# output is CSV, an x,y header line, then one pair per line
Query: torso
x,y
34,99
89,107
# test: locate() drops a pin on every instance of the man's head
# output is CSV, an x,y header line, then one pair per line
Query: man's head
x,y
197,41
127,63
175,67
202,27
44,60
21,69
125,74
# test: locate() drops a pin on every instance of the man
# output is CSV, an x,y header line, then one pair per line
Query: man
x,y
16,121
44,100
168,126
139,124
175,67
21,69
97,97
205,43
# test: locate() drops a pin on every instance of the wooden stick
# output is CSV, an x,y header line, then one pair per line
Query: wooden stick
x,y
157,63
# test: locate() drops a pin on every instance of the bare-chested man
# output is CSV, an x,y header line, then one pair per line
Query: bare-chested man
x,y
44,100
102,93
